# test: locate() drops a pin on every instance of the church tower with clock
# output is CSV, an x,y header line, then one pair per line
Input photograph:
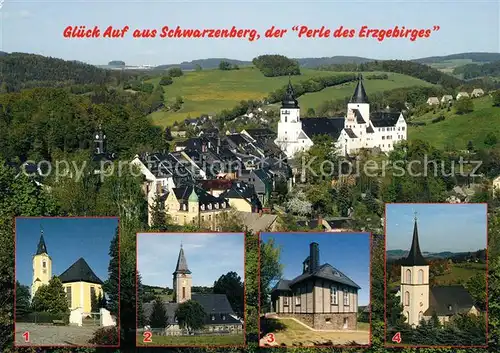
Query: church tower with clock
x,y
182,279
414,282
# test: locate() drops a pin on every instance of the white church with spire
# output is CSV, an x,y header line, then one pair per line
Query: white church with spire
x,y
359,129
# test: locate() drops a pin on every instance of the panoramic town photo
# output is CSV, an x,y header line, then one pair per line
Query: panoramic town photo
x,y
315,289
436,280
191,289
67,286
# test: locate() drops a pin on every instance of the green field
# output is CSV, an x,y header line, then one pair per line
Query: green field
x,y
461,273
448,65
210,91
313,100
456,130
189,341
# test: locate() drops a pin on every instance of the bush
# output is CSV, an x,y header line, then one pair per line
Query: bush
x,y
106,336
175,72
166,80
43,317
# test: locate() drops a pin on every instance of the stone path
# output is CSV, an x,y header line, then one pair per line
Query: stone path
x,y
53,335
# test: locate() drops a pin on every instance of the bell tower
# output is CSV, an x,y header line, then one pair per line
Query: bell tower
x,y
42,266
290,125
99,140
414,282
182,279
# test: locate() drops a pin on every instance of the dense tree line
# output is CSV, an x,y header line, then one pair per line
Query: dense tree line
x,y
21,70
313,84
226,66
36,123
276,65
470,71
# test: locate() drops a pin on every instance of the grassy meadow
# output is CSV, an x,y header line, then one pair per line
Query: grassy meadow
x,y
456,130
190,341
460,272
210,91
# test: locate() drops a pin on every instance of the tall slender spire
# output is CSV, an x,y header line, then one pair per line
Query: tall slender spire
x,y
415,257
182,266
42,248
289,100
359,95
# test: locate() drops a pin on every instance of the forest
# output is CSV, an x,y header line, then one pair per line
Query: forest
x,y
276,65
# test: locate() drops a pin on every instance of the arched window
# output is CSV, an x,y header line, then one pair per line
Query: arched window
x,y
420,316
420,276
407,314
407,298
408,276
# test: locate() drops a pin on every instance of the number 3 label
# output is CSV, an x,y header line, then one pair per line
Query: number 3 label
x,y
270,338
147,337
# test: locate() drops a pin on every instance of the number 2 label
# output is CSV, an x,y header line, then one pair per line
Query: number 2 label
x,y
147,337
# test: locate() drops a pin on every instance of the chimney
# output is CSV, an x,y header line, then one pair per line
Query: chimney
x,y
313,257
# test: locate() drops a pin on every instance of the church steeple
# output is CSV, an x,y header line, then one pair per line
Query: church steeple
x,y
415,257
99,139
289,100
41,248
182,266
359,95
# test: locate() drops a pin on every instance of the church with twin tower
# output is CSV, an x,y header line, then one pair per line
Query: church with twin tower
x,y
361,128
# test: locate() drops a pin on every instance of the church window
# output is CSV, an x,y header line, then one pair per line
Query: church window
x,y
297,297
407,298
183,292
403,128
44,264
92,293
408,276
420,276
286,119
346,297
420,316
407,314
334,296
383,137
285,301
68,295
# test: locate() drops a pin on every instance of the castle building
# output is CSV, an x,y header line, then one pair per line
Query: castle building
x,y
220,317
359,129
420,300
79,281
321,296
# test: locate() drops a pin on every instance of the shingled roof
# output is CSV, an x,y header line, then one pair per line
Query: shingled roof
x,y
449,300
415,257
79,271
42,248
323,126
359,95
182,266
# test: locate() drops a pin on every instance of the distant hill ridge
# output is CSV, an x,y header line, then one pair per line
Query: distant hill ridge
x,y
399,254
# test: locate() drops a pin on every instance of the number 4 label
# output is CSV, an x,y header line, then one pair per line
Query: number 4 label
x,y
147,337
397,337
26,336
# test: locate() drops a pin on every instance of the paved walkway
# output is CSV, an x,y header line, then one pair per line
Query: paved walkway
x,y
53,335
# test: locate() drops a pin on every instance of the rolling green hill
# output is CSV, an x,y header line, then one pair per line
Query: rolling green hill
x,y
456,130
210,91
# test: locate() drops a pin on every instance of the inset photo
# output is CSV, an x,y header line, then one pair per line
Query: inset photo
x,y
436,275
315,289
191,289
67,282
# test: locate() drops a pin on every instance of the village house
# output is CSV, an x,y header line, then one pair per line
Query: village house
x,y
462,94
433,101
322,297
477,92
242,197
496,184
420,300
446,98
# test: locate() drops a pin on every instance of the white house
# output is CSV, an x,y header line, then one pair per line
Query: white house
x,y
477,92
446,98
359,129
462,94
433,101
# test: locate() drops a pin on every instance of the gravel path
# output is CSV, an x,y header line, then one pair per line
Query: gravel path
x,y
53,335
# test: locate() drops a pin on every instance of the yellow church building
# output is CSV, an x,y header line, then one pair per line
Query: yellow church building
x,y
79,281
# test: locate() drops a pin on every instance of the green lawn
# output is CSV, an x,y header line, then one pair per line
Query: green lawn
x,y
314,100
229,340
210,91
456,130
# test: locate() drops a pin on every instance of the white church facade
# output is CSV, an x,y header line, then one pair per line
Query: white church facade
x,y
360,129
420,300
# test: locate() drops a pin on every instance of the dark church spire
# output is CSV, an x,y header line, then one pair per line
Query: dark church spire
x,y
289,100
99,139
359,95
415,257
182,266
42,248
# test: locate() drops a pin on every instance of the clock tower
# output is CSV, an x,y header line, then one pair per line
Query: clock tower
x,y
414,282
182,279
